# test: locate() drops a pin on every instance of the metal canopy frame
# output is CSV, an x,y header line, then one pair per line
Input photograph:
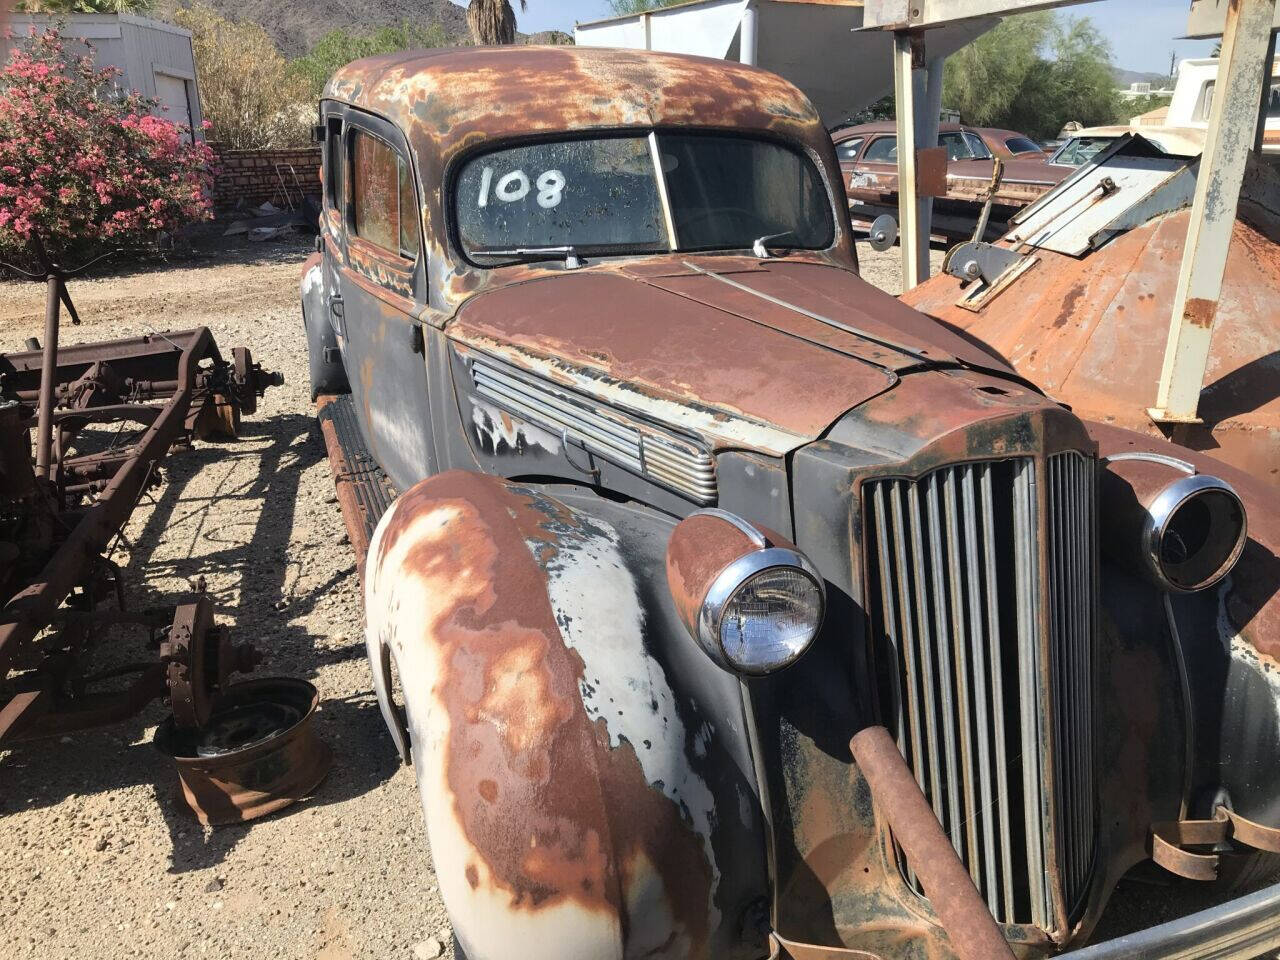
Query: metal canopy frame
x,y
1236,117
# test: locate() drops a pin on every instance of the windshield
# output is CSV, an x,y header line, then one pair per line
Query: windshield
x,y
1080,150
606,196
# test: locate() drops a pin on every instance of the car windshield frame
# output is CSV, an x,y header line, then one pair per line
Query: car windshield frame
x,y
518,252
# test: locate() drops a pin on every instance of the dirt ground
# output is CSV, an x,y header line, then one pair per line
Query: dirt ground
x,y
96,859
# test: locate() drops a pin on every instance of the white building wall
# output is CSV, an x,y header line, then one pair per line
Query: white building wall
x,y
140,47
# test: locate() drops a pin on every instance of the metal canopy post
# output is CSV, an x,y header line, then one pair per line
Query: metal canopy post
x,y
1233,116
748,34
908,55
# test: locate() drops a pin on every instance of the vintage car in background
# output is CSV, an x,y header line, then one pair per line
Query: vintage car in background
x,y
868,156
724,605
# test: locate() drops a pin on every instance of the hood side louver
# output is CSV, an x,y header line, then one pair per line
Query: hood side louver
x,y
664,458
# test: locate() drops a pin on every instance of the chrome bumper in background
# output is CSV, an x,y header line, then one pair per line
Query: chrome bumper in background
x,y
1240,929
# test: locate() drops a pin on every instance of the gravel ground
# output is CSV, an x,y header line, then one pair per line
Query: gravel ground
x,y
96,859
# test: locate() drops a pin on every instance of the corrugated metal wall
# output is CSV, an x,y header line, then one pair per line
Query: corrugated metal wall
x,y
139,46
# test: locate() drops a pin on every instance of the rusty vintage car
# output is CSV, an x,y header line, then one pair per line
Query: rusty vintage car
x,y
868,155
724,605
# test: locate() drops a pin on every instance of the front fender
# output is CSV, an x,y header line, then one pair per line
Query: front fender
x,y
1231,638
583,768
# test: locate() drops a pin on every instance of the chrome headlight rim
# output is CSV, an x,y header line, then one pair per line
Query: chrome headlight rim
x,y
731,580
1165,507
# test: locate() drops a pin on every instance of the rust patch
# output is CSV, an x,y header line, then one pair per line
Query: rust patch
x,y
1200,312
555,814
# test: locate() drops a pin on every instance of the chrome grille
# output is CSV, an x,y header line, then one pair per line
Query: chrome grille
x,y
956,591
664,458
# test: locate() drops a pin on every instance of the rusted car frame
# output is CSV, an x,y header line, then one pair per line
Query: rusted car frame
x,y
63,596
598,436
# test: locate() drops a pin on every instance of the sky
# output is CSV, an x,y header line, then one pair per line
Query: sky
x,y
1141,32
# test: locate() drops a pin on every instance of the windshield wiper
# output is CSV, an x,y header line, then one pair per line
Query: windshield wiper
x,y
568,254
760,246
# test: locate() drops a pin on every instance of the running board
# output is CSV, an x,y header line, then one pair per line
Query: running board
x,y
364,491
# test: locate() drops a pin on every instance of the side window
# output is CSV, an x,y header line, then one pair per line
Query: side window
x,y
847,150
977,149
335,164
882,150
383,211
956,148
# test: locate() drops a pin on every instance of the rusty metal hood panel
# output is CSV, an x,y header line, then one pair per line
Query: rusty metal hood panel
x,y
751,354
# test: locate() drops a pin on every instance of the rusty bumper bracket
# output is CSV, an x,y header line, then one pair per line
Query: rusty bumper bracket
x,y
960,908
1169,840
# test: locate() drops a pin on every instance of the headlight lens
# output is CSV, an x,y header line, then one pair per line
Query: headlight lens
x,y
771,619
1195,532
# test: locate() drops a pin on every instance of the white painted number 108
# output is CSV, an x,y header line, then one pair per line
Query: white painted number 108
x,y
514,186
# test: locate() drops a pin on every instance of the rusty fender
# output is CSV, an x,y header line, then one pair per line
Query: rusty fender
x,y
327,372
1229,637
583,767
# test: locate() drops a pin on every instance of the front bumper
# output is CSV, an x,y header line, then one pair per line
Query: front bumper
x,y
1240,929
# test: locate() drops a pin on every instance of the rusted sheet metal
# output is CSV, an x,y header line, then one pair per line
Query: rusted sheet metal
x,y
780,375
553,818
973,932
450,101
258,753
1091,332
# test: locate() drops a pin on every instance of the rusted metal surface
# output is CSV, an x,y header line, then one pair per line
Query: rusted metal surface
x,y
56,525
738,364
1091,331
545,816
258,752
973,933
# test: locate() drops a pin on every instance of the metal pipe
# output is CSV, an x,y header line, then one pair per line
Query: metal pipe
x,y
964,915
907,49
48,372
748,33
1233,119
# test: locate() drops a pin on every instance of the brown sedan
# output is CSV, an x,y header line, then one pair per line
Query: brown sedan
x,y
868,155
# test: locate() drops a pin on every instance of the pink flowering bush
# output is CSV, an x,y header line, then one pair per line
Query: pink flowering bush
x,y
85,165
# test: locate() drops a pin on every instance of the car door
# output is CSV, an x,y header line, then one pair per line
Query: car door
x,y
847,155
875,175
383,290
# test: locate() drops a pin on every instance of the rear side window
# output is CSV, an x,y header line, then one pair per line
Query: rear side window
x,y
882,150
383,209
1021,145
847,150
334,164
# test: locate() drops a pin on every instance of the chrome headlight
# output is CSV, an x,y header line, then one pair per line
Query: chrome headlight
x,y
1195,532
752,601
1185,530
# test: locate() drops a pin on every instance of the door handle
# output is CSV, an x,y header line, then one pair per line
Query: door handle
x,y
337,314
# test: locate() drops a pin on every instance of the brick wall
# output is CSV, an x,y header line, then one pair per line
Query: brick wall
x,y
249,178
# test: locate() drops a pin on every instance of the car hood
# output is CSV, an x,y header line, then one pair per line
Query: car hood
x,y
758,354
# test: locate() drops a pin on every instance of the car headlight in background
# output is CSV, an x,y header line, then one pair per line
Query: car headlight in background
x,y
1186,530
752,601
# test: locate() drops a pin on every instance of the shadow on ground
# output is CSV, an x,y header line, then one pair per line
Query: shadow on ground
x,y
44,773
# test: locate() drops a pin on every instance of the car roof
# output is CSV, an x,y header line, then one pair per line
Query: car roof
x,y
887,126
454,97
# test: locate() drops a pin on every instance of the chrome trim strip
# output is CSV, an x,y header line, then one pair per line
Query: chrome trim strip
x,y
914,352
1237,930
1153,458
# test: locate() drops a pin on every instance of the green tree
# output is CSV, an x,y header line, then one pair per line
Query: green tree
x,y
339,47
1033,73
622,8
492,21
247,91
982,80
